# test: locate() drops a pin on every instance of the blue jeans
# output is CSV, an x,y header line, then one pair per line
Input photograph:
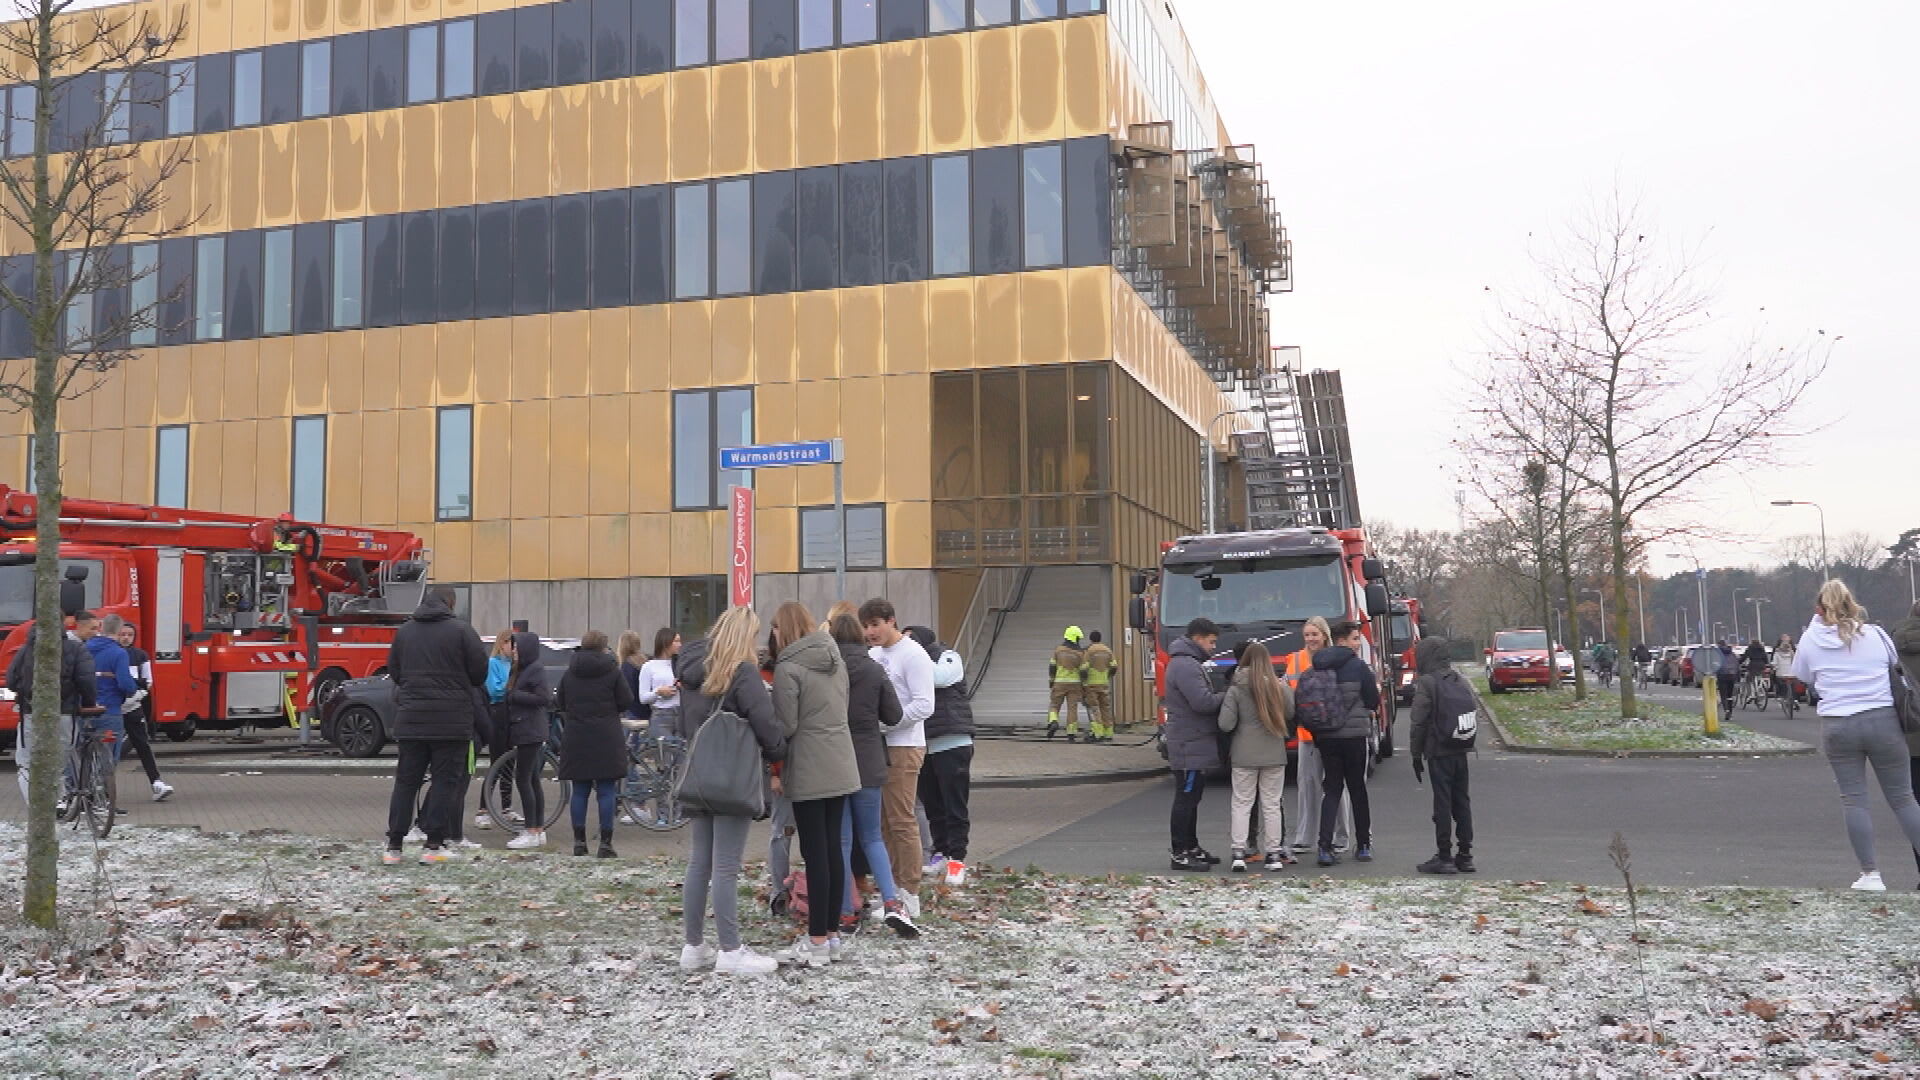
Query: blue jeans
x,y
861,820
605,791
115,723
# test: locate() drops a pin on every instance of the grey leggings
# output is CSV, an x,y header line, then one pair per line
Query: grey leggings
x,y
1852,743
718,843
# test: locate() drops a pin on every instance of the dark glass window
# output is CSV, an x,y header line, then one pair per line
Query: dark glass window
x,y
493,261
950,217
456,263
180,100
176,290
495,45
111,304
22,107
902,20
698,603
247,89
419,263
705,422
149,120
1044,205
215,75
612,38
1089,209
573,252
243,285
731,30
859,21
572,42
773,233
116,102
732,237
652,36
170,466
457,58
533,32
690,33
209,289
349,74
78,323
532,276
611,282
772,28
1039,9
143,291
276,282
309,473
996,210
906,180
312,246
946,15
366,273
316,78
866,538
652,245
16,338
692,240
280,76
387,68
816,30
818,198
76,108
423,63
453,464
992,12
862,220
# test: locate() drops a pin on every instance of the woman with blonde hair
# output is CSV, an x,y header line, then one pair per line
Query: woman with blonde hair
x,y
1310,774
820,771
722,671
1258,713
1845,661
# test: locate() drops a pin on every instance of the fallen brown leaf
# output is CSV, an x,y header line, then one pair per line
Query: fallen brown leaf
x,y
1588,907
1762,1008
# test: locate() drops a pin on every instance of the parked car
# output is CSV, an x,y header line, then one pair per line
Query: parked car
x,y
1666,666
1519,658
357,716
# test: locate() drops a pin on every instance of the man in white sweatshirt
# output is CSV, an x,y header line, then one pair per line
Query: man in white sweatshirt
x,y
911,672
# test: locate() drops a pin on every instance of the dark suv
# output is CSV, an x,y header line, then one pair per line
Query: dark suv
x,y
357,716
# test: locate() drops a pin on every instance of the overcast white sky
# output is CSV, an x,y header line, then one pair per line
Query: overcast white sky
x,y
1413,146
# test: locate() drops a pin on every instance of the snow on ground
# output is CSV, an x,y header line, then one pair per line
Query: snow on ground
x,y
280,955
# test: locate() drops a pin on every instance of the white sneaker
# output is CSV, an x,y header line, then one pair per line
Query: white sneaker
x,y
837,948
416,836
912,900
528,839
744,961
627,818
936,865
804,953
483,820
463,844
697,957
1870,882
956,872
161,789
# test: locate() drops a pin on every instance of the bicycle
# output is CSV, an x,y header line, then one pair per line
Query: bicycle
x,y
91,789
1789,698
1756,692
1643,676
502,772
1605,672
646,796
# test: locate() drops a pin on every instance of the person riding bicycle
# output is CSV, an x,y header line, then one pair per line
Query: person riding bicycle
x,y
1603,658
1755,658
1642,656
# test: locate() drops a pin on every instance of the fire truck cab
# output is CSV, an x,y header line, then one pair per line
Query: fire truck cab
x,y
245,619
1264,586
1403,633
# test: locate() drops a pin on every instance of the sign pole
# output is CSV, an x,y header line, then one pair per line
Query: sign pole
x,y
840,515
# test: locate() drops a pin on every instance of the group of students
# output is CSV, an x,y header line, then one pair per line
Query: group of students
x,y
104,681
1321,700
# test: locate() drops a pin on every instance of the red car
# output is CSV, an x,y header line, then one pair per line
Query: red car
x,y
1519,658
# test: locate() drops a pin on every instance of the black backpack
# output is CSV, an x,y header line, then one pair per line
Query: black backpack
x,y
1318,705
1456,713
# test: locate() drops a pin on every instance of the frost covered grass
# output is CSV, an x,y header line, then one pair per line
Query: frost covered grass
x,y
205,956
1552,718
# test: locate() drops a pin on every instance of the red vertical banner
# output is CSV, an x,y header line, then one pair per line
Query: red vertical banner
x,y
740,567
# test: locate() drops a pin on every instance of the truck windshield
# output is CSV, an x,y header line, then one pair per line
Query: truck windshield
x,y
1520,640
16,588
1253,591
1400,629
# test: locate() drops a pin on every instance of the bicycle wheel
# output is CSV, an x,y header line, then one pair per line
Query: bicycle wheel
x,y
496,797
647,795
550,785
100,791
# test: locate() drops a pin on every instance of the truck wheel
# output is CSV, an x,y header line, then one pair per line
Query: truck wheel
x,y
359,733
324,686
181,731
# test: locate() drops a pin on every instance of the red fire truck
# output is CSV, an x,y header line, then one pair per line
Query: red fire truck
x,y
1265,585
246,618
1403,633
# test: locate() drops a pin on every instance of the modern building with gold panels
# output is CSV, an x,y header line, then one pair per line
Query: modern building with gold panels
x,y
508,273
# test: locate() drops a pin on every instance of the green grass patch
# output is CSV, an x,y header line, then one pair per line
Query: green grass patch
x,y
1553,718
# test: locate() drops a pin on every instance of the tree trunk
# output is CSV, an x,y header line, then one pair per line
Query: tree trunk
x,y
1629,692
1566,581
1546,591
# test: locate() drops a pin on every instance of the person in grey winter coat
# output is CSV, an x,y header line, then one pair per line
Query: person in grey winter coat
x,y
1258,713
1192,738
810,701
1436,681
1346,752
436,662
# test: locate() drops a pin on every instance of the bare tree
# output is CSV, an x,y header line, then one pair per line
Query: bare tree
x,y
1859,549
1418,562
1610,334
80,197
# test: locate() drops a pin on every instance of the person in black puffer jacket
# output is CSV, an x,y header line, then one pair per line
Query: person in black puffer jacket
x,y
529,702
436,662
1345,753
946,779
594,695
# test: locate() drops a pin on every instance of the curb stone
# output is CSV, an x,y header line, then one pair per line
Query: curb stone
x,y
1513,745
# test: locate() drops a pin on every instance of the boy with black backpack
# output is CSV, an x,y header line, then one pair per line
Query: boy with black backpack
x,y
1445,721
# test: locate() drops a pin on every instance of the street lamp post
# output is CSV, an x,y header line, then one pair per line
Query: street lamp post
x,y
1602,597
1756,601
1212,486
1640,587
1700,581
1736,612
1826,568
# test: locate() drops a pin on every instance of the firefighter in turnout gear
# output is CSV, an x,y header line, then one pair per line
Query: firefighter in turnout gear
x,y
1096,688
1063,675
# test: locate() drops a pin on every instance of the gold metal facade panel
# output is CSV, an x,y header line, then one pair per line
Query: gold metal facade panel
x,y
607,484
344,440
453,551
689,140
996,328
995,77
348,195
172,389
774,133
491,542
215,24
419,158
313,148
776,548
317,18
732,349
529,361
732,125
204,368
532,134
310,366
649,350
529,540
379,487
773,338
211,174
905,308
569,353
275,386
493,462
454,364
949,93
493,150
1043,317
572,141
607,351
859,98
864,424
903,81
492,364
690,549
458,138
239,386
691,344
350,15
607,547
910,534
862,322
420,10
816,408
238,458
649,418
569,447
530,476
418,363
1040,82
416,485
908,454
610,116
950,324
817,107
1084,76
648,538
383,163
1090,313
272,480
249,25
363,371
774,413
818,323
